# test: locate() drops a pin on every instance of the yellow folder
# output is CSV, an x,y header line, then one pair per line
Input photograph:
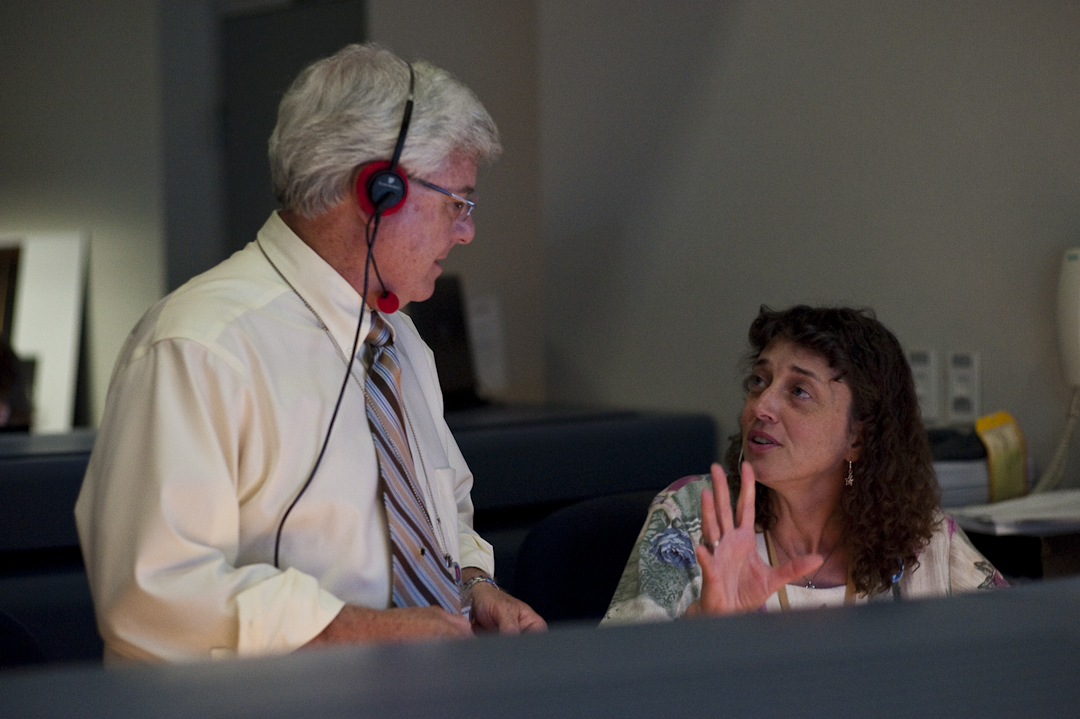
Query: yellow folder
x,y
1006,455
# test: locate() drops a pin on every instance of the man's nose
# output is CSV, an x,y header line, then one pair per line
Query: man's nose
x,y
464,230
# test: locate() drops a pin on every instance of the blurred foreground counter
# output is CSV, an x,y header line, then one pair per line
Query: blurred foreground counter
x,y
1010,653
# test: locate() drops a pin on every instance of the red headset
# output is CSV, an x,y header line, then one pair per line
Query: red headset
x,y
381,189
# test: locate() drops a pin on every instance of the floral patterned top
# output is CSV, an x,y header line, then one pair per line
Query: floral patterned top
x,y
662,577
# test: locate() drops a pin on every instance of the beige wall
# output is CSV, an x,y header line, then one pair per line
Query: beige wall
x,y
703,158
82,146
668,168
79,149
491,46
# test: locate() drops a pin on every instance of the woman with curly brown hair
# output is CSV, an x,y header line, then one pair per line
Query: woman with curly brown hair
x,y
847,511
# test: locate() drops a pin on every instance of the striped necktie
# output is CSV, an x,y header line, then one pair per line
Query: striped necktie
x,y
422,574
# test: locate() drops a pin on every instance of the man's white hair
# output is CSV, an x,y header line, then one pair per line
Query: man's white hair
x,y
345,111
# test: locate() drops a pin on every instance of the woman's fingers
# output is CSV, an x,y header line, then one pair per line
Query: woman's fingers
x,y
746,495
710,530
704,558
723,500
734,577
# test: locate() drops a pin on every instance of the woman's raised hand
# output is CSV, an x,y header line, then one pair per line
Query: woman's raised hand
x,y
734,578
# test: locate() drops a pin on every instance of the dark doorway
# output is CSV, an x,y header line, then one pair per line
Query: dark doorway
x,y
9,272
261,54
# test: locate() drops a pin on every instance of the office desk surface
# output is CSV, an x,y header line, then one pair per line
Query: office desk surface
x,y
1005,654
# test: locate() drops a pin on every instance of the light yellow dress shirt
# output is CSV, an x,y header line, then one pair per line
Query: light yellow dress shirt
x,y
216,411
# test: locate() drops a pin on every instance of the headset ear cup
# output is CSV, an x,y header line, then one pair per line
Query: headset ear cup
x,y
380,189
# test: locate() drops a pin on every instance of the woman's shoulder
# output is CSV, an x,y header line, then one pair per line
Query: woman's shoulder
x,y
947,532
659,578
691,485
683,496
673,523
950,563
940,546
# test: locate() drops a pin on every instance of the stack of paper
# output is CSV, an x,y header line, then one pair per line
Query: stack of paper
x,y
963,482
1040,515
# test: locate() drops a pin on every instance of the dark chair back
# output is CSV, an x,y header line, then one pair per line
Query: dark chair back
x,y
571,561
17,645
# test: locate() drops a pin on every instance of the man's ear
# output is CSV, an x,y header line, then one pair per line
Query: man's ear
x,y
380,188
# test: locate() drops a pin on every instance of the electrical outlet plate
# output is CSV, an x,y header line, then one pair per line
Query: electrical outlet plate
x,y
962,401
924,369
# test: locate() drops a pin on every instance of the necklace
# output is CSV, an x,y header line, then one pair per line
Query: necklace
x,y
809,582
785,605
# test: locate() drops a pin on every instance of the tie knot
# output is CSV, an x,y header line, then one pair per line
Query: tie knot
x,y
379,335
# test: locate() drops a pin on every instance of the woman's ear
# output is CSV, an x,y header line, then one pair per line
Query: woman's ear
x,y
856,442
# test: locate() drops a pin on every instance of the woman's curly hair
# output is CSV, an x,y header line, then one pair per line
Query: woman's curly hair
x,y
889,512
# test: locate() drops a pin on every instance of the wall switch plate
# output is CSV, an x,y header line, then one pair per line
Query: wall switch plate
x,y
924,368
962,405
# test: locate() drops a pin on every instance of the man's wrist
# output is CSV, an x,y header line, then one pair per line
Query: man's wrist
x,y
477,579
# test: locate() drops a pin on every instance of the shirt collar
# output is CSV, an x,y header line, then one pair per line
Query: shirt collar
x,y
331,297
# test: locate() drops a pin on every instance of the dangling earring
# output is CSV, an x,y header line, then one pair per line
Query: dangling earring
x,y
850,475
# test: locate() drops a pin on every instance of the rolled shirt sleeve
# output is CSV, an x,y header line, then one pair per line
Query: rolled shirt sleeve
x,y
159,519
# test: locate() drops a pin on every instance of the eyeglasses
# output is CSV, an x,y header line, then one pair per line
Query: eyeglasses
x,y
465,207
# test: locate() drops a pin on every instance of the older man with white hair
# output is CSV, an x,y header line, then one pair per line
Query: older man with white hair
x,y
273,469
